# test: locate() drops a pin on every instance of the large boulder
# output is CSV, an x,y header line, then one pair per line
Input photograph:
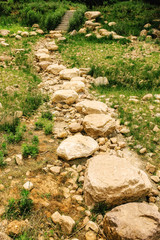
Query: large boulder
x,y
43,57
55,68
77,86
68,74
67,96
96,125
92,14
51,46
4,32
91,107
133,221
4,236
44,64
114,180
77,146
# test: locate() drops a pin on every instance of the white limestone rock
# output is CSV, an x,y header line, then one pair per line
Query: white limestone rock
x,y
114,180
67,96
91,107
77,146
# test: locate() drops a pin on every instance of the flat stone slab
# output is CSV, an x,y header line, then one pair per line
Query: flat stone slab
x,y
77,146
55,68
91,107
77,86
114,180
68,74
67,96
133,221
96,125
92,14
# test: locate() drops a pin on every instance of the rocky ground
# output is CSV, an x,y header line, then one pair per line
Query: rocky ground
x,y
85,163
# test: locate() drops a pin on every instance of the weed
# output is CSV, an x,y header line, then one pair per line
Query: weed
x,y
48,128
47,115
39,124
31,149
19,207
2,163
24,236
100,208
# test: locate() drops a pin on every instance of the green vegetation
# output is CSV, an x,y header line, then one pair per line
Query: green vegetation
x,y
126,65
17,136
100,208
45,122
139,117
19,207
78,19
130,16
31,149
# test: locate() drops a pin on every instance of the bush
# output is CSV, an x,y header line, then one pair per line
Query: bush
x,y
53,19
19,207
31,103
78,19
31,149
48,128
47,115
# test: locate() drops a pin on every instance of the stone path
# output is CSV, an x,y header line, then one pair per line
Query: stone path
x,y
63,26
88,128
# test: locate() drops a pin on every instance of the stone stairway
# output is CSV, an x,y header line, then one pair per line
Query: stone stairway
x,y
63,26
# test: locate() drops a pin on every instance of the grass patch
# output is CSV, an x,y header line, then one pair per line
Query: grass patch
x,y
139,117
133,65
45,122
31,149
19,207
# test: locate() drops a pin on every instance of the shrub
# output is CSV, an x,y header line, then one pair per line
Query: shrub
x,y
47,115
2,163
78,19
53,19
31,103
31,149
48,128
19,207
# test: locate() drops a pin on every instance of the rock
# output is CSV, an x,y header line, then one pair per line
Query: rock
x,y
67,96
2,211
5,58
4,44
78,198
35,25
156,129
39,31
33,33
115,183
77,86
91,25
148,25
56,217
55,169
91,107
133,221
75,127
67,224
101,81
61,39
1,105
73,33
143,33
4,236
92,225
90,235
44,64
68,74
155,179
82,30
18,159
117,37
92,14
147,97
16,227
55,68
24,34
18,37
156,33
105,32
43,57
78,79
98,125
77,146
143,150
112,24
4,32
28,185
51,46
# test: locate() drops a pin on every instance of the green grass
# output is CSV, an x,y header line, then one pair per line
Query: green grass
x,y
133,65
31,149
19,207
130,16
138,117
45,122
